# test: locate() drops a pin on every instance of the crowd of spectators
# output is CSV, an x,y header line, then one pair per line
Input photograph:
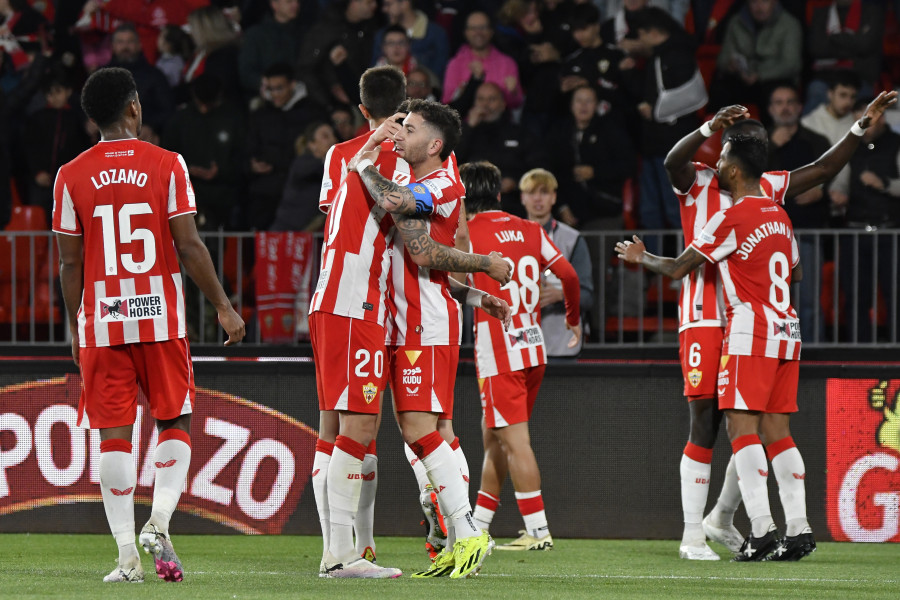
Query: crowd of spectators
x,y
252,92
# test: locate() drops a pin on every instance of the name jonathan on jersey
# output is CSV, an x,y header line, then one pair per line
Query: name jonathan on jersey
x,y
111,176
761,232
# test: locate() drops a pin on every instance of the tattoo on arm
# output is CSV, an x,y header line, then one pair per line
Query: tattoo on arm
x,y
388,195
676,268
428,253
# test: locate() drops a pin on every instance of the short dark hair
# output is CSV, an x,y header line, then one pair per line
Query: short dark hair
x,y
583,15
844,77
441,117
381,90
395,29
106,93
280,69
482,182
751,153
206,89
127,28
653,18
745,127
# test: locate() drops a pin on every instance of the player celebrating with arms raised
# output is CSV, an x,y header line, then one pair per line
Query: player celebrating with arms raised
x,y
701,309
123,213
757,255
511,363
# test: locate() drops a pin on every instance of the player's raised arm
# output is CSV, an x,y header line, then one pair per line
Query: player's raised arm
x,y
426,252
198,264
676,268
678,160
829,164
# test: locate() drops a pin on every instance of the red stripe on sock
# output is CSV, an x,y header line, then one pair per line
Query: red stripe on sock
x,y
324,447
744,441
529,506
175,434
776,448
115,445
371,448
487,501
350,446
427,444
455,443
698,453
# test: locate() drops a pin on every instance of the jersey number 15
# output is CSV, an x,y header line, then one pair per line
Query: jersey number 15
x,y
127,235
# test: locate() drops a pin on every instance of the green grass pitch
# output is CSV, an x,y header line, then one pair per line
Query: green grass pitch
x,y
239,567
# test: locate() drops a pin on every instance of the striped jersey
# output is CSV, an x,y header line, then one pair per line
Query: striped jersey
x,y
753,243
336,161
530,251
119,196
421,309
701,303
355,262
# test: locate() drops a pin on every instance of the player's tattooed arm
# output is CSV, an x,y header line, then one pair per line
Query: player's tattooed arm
x,y
393,198
426,252
676,268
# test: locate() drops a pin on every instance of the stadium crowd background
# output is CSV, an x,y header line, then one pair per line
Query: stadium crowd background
x,y
253,92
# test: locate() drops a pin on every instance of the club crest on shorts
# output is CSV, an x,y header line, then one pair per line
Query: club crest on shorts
x,y
370,390
694,377
412,356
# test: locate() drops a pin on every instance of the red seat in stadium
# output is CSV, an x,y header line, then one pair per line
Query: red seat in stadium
x,y
31,255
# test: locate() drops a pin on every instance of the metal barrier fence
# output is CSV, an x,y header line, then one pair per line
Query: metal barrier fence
x,y
848,294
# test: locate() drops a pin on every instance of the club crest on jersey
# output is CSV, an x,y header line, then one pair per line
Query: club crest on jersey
x,y
370,390
130,308
694,377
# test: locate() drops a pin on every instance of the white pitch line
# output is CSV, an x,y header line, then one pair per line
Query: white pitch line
x,y
697,578
600,576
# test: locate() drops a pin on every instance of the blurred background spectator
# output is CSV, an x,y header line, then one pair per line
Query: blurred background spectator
x,y
846,34
539,189
278,38
478,61
272,131
209,133
299,207
763,45
337,50
489,133
593,155
428,40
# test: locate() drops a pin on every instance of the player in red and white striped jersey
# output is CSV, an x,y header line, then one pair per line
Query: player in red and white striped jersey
x,y
347,332
754,246
701,310
511,363
123,214
422,307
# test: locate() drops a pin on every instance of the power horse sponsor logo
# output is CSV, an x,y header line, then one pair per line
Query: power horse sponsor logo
x,y
863,454
131,308
249,463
